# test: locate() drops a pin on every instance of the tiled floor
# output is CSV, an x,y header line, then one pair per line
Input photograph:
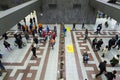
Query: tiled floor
x,y
21,65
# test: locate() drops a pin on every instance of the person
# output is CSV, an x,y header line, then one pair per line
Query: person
x,y
31,21
24,19
86,34
99,27
23,28
85,57
106,24
83,26
52,42
111,75
40,26
104,51
99,43
53,35
18,40
74,26
19,26
1,66
26,28
94,43
5,36
35,29
117,44
34,20
116,38
26,34
55,30
115,60
111,42
47,29
7,45
35,39
64,31
30,28
102,67
34,51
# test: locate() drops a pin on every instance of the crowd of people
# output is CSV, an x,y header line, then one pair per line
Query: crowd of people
x,y
38,31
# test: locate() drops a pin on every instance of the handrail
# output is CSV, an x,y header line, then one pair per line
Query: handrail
x,y
13,9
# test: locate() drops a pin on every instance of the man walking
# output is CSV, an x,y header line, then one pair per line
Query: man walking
x,y
74,26
34,51
102,67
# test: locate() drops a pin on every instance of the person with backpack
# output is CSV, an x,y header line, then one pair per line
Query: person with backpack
x,y
52,42
85,57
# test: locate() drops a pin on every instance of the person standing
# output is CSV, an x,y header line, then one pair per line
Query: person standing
x,y
94,43
117,44
26,34
104,51
5,36
55,30
1,66
74,26
52,42
99,27
34,20
86,34
31,21
102,67
34,51
83,26
111,42
24,19
64,31
35,39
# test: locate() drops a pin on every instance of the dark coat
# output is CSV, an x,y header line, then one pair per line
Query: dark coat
x,y
110,76
102,66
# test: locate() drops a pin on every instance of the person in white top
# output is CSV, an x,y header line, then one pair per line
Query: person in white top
x,y
104,51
